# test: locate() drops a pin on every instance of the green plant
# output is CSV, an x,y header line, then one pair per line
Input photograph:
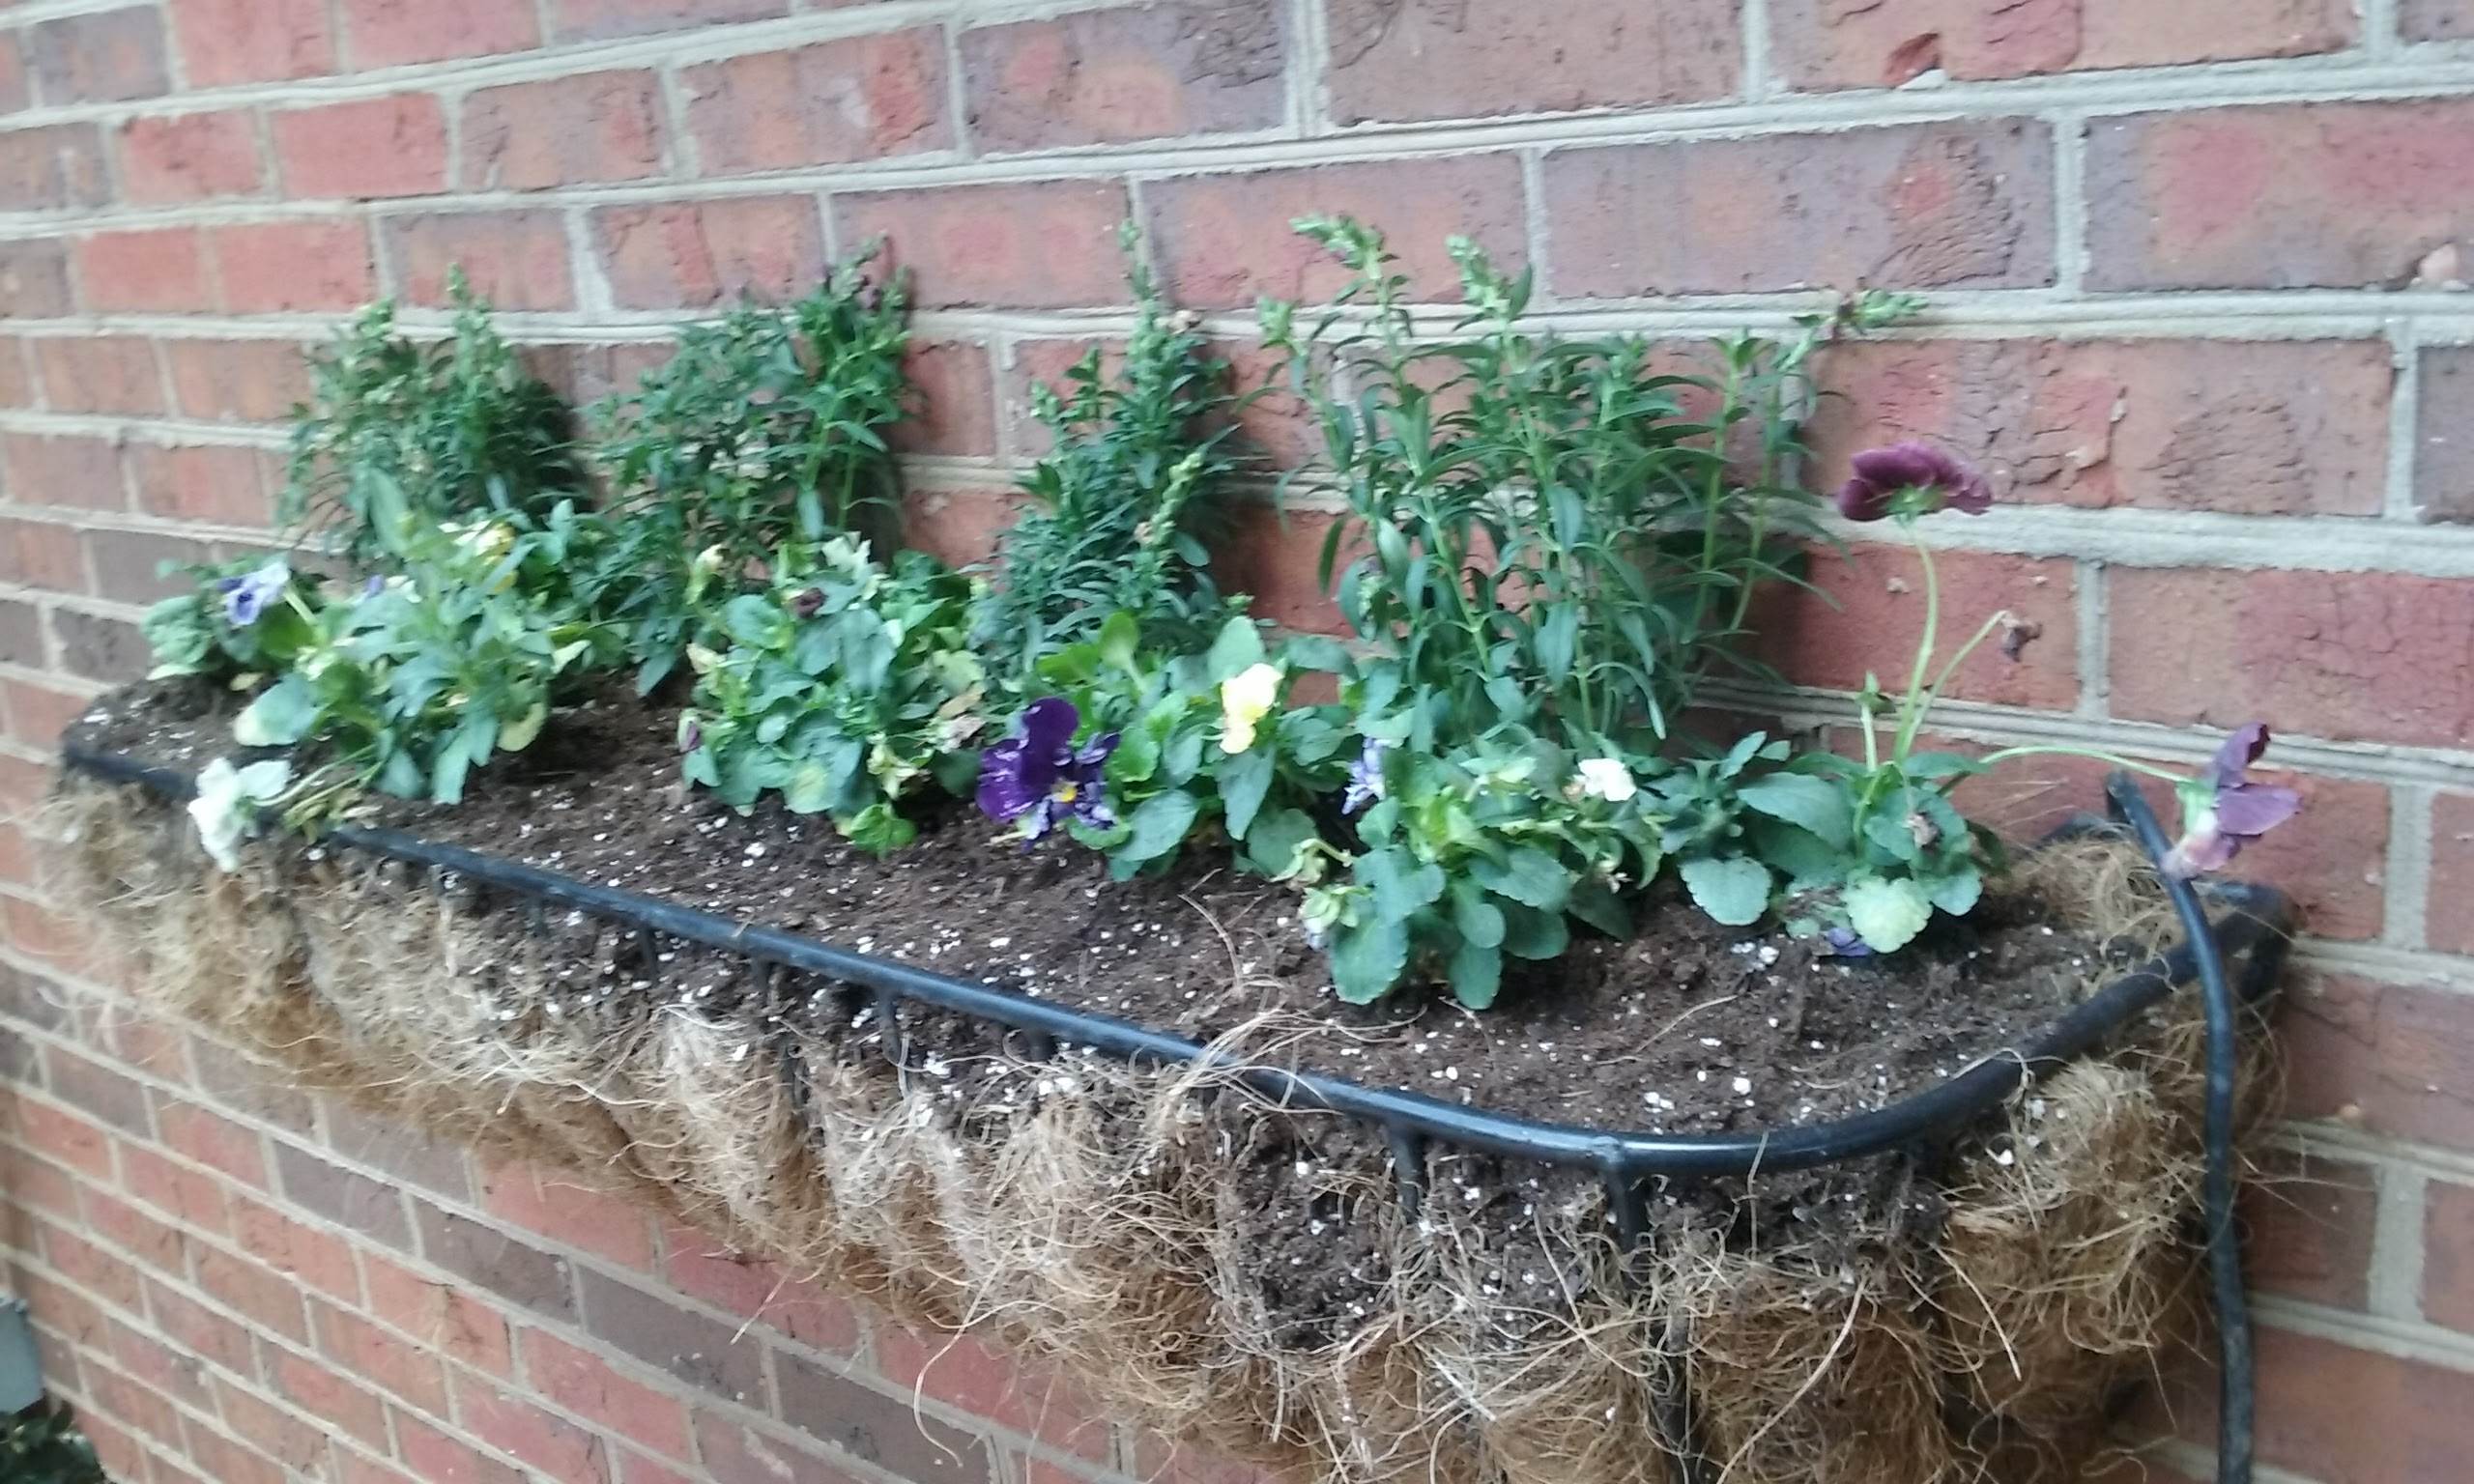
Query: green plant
x,y
428,674
766,428
399,432
842,686
43,1446
1557,535
1120,508
239,622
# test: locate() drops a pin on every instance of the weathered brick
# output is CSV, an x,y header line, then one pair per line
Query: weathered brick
x,y
68,470
2275,427
343,1197
225,41
365,149
732,1454
2339,1415
133,1402
1906,207
876,1428
864,98
190,1195
395,1366
434,1458
145,270
148,1360
14,94
16,374
607,1226
2448,1257
517,260
286,1436
397,1152
1223,241
237,381
201,1331
212,1140
987,1381
1878,612
704,1352
318,1259
21,643
2336,195
1826,43
51,166
248,1086
703,1267
391,33
323,1388
563,132
696,254
2392,1059
1107,76
439,1315
95,647
265,1298
228,1462
953,400
1038,246
113,374
2444,435
957,526
106,1095
108,57
189,157
128,565
2446,924
586,1384
1276,558
2347,656
33,279
494,1261
293,266
2308,1227
552,1446
38,714
1431,59
38,554
2435,21
578,20
200,482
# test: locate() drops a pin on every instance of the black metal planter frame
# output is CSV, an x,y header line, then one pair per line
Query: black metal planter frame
x,y
2253,926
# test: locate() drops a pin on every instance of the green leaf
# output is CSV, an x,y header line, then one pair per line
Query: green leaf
x,y
757,620
1478,919
1271,845
1889,833
1814,803
1885,913
1526,876
1476,974
1121,641
1957,893
1244,779
282,715
1924,766
1796,854
1366,959
1158,827
810,790
1399,884
1595,903
1238,649
518,734
877,829
1732,889
1529,933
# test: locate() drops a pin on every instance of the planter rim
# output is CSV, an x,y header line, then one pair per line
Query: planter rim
x,y
2254,923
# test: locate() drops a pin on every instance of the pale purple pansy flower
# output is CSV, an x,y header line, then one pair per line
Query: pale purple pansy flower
x,y
1365,777
1846,943
248,596
2223,809
1037,779
1910,478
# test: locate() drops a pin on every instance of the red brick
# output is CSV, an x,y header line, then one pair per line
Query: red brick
x,y
211,1140
953,401
126,1400
2444,449
2394,1060
2278,427
175,1190
318,1259
191,156
1108,76
577,20
584,1383
651,1326
395,1366
40,1186
323,1390
227,1462
958,527
66,1138
517,260
835,102
1276,558
1037,363
564,131
68,470
635,1468
130,565
2285,196
149,1361
1825,43
145,270
33,279
1910,207
1225,240
363,150
98,1091
237,381
695,255
1429,60
109,57
439,1315
13,93
494,1261
201,482
391,33
703,1268
607,1226
293,266
893,1435
53,166
2308,1229
35,554
553,1447
2446,922
38,714
224,41
2448,1256
2355,655
1879,615
286,1438
985,1382
2342,1416
1040,245
201,1331
2435,21
434,1458
268,1300
16,374
732,1454
114,374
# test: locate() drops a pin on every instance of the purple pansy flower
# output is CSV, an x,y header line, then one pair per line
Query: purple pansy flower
x,y
1365,777
1910,478
1846,943
1037,778
251,594
2223,809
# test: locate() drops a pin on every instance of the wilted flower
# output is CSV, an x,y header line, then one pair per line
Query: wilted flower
x,y
1245,699
2223,810
1606,778
1846,943
807,602
1910,478
248,597
1365,777
1037,778
225,808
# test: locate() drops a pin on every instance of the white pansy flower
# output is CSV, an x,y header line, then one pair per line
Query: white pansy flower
x,y
1606,778
226,806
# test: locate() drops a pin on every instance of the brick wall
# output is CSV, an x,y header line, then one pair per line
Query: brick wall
x,y
2193,275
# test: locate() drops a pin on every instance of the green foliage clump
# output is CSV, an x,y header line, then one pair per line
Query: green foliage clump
x,y
842,685
766,428
1121,507
399,434
239,622
43,1446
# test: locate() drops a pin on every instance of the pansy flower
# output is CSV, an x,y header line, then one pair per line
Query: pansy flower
x,y
1245,699
1911,478
2223,809
1037,779
1365,777
248,596
1606,778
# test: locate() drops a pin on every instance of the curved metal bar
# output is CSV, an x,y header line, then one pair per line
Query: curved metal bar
x,y
2257,919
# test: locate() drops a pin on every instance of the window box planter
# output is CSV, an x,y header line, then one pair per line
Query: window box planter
x,y
2022,1228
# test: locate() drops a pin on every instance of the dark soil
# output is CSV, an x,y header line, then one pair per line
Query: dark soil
x,y
1690,1027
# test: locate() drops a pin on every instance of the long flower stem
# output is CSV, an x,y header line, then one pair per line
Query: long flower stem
x,y
2092,755
1912,709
